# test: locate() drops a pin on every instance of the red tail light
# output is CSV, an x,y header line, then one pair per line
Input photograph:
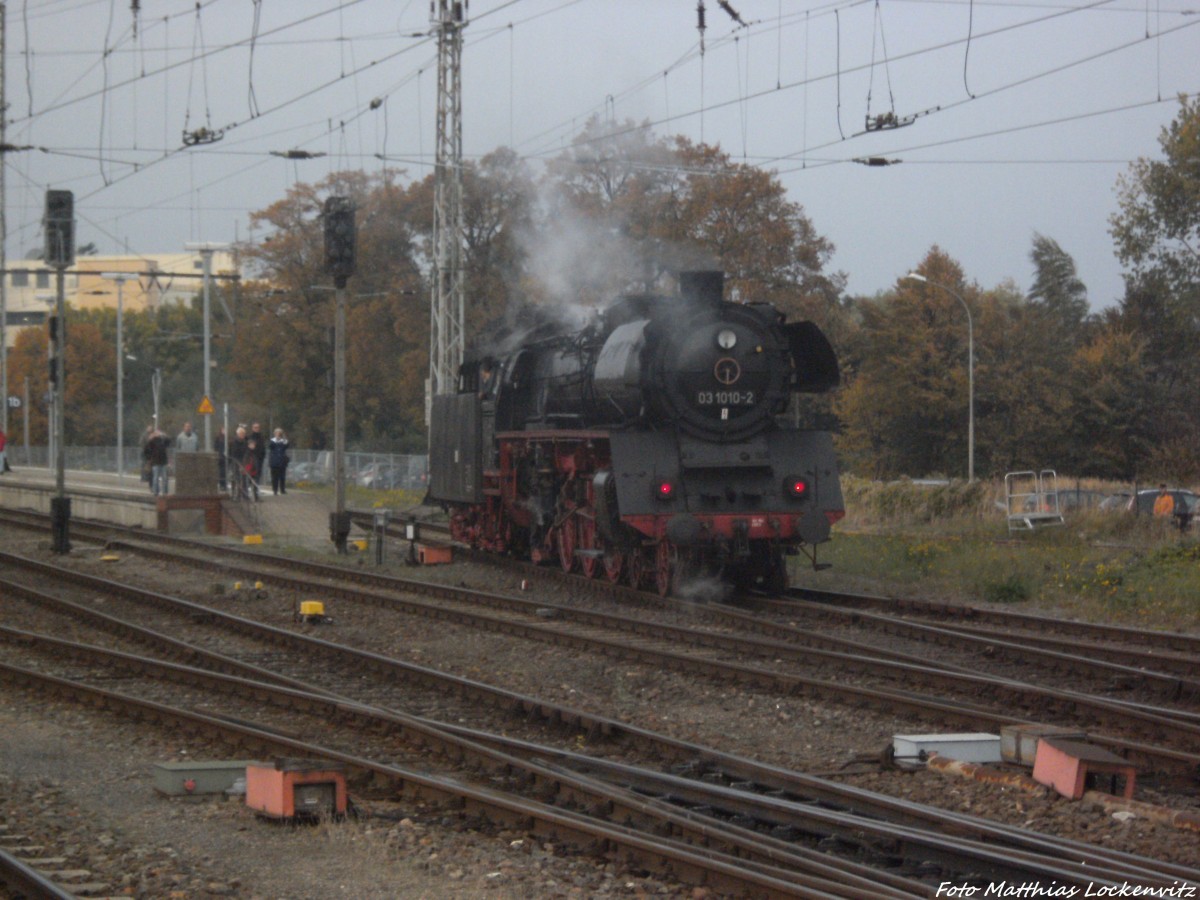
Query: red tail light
x,y
665,490
796,488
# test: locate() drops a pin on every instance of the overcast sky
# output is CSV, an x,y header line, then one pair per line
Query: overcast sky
x,y
1018,117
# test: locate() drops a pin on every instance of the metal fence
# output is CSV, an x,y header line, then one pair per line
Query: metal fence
x,y
378,471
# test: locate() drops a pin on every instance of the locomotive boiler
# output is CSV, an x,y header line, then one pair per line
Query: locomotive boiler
x,y
650,446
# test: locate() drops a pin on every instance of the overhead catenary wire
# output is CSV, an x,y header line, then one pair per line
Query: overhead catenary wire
x,y
252,100
878,30
997,132
967,49
303,96
808,80
744,100
60,103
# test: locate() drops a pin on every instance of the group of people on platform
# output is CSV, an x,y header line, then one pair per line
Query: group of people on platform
x,y
240,462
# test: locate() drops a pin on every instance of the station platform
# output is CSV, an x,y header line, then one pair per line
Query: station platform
x,y
299,516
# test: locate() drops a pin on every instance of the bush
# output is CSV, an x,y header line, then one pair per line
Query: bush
x,y
1013,589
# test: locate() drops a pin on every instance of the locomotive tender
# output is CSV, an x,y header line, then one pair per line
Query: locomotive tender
x,y
650,446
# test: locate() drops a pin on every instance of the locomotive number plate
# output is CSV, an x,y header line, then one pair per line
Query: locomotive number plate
x,y
725,398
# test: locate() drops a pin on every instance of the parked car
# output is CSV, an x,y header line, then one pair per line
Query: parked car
x,y
379,476
1186,503
309,472
1115,502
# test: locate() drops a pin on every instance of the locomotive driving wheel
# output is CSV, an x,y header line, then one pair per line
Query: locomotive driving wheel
x,y
635,567
463,528
664,566
589,562
614,562
567,543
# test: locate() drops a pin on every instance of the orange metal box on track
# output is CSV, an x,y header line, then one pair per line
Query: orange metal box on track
x,y
296,788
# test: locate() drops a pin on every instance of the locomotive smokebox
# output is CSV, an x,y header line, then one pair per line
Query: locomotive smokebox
x,y
702,286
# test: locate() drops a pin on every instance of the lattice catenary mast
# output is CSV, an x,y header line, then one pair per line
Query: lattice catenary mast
x,y
447,339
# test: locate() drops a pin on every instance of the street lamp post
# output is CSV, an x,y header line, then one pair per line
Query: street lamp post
x,y
916,276
155,383
207,249
120,278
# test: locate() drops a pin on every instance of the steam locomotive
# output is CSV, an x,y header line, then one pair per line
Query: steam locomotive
x,y
649,446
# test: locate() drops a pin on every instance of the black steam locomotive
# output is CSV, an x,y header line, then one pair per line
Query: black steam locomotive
x,y
650,446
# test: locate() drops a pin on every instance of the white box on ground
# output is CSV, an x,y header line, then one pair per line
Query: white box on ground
x,y
976,747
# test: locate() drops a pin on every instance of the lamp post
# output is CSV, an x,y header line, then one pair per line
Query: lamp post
x,y
155,382
120,278
207,249
916,276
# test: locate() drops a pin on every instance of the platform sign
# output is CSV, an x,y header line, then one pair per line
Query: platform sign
x,y
206,407
14,402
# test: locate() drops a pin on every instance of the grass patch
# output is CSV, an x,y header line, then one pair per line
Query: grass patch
x,y
951,542
366,498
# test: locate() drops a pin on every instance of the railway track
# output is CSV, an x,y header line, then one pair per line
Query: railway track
x,y
1155,735
1161,737
27,877
1022,856
1127,656
386,593
1058,634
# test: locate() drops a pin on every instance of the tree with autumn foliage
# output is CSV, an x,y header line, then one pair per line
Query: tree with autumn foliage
x,y
498,200
90,389
904,410
906,406
1157,237
282,353
28,375
652,206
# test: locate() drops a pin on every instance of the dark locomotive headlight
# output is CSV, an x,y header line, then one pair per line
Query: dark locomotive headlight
x,y
796,488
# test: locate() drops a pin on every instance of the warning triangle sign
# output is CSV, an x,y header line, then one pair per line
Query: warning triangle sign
x,y
206,407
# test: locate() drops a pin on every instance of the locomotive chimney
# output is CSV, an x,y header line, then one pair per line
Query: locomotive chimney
x,y
702,286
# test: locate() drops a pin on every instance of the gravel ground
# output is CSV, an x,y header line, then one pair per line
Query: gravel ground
x,y
80,785
91,776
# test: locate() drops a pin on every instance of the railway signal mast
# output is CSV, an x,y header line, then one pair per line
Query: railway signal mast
x,y
447,310
340,238
59,225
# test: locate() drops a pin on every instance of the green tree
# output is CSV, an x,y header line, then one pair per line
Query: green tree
x,y
1057,288
1157,231
1021,398
1112,406
1157,235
